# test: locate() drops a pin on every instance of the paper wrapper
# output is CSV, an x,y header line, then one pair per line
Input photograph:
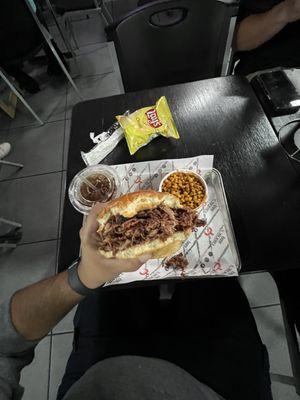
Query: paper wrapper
x,y
208,250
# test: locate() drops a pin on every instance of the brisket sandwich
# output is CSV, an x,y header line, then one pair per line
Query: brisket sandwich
x,y
145,222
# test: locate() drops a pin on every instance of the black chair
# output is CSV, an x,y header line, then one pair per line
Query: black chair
x,y
173,41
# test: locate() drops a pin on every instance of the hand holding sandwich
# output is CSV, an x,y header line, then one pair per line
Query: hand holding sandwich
x,y
117,237
94,269
55,296
124,233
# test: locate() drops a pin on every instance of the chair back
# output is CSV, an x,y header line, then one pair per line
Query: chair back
x,y
174,41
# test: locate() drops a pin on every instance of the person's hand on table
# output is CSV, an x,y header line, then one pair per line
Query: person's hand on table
x,y
94,269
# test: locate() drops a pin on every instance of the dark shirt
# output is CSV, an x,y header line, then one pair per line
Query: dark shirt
x,y
283,50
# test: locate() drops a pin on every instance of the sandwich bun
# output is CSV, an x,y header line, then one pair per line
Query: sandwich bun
x,y
128,206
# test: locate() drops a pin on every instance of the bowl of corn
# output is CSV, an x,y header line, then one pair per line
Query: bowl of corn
x,y
188,186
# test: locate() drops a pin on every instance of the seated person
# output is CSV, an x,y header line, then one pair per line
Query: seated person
x,y
267,35
20,39
200,345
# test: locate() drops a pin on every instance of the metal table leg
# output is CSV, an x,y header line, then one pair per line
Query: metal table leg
x,y
12,164
62,33
8,222
48,39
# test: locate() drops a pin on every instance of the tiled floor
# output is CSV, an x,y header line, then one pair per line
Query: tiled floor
x,y
33,196
263,298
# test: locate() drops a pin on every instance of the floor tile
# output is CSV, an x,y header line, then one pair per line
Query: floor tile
x,y
25,265
94,59
62,200
89,30
260,289
39,368
57,255
66,324
57,37
283,392
39,149
60,42
270,326
47,15
33,202
49,104
61,349
5,121
93,87
66,143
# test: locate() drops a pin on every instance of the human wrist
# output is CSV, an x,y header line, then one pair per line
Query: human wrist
x,y
89,278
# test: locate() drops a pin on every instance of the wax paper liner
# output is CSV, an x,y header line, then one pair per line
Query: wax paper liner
x,y
208,249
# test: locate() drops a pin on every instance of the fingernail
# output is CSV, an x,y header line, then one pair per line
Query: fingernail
x,y
144,257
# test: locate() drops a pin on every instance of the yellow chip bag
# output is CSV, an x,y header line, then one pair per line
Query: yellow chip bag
x,y
145,124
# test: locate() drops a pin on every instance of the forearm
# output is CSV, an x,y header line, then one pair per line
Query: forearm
x,y
36,309
257,29
33,311
24,319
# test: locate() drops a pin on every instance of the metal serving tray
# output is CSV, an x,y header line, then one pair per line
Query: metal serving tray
x,y
211,251
214,179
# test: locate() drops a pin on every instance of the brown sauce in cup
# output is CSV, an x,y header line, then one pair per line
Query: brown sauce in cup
x,y
105,188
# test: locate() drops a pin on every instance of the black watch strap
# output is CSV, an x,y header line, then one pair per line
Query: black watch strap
x,y
75,282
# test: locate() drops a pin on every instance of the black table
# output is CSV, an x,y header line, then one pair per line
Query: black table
x,y
222,117
277,121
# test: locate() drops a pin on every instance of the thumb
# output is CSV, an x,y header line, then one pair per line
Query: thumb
x,y
91,223
143,258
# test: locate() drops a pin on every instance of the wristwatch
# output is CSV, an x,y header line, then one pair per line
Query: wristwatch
x,y
75,282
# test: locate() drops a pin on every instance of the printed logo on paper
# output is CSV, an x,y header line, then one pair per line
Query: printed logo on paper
x,y
153,119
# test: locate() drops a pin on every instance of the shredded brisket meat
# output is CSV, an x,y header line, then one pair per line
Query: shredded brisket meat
x,y
119,233
179,261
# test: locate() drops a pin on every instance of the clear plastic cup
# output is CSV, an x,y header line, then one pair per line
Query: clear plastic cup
x,y
98,183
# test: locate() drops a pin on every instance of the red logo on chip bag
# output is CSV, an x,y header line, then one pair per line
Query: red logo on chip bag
x,y
153,118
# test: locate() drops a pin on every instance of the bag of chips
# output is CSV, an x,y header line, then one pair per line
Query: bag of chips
x,y
145,124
